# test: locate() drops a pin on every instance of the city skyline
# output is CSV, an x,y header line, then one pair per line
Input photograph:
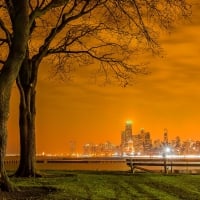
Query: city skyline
x,y
74,148
139,144
82,110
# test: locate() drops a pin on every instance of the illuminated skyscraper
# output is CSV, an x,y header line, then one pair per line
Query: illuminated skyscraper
x,y
128,131
127,138
142,142
165,136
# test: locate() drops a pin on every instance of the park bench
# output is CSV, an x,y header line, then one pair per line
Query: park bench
x,y
167,163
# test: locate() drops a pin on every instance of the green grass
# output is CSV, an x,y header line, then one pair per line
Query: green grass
x,y
75,185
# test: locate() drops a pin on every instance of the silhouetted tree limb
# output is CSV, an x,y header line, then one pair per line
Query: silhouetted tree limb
x,y
6,32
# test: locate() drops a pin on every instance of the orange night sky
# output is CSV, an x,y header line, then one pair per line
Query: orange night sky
x,y
82,111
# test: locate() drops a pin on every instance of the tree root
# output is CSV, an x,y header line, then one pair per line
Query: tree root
x,y
7,186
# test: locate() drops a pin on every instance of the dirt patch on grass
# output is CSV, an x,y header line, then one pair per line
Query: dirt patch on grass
x,y
28,193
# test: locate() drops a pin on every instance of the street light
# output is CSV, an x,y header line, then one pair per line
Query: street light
x,y
166,151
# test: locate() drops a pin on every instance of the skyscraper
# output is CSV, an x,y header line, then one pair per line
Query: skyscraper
x,y
142,142
127,138
165,137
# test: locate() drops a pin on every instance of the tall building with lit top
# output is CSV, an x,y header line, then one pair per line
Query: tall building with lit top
x,y
127,139
165,137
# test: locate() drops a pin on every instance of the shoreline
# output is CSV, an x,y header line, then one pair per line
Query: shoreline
x,y
93,164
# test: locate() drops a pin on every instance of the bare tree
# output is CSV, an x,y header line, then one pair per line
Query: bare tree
x,y
107,32
15,37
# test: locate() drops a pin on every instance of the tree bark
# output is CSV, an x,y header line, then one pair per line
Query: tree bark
x,y
5,184
26,83
18,11
27,133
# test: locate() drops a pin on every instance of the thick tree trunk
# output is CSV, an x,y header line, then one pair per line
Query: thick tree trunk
x,y
18,11
27,133
26,83
4,113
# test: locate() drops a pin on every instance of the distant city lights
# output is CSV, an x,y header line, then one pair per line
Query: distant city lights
x,y
135,144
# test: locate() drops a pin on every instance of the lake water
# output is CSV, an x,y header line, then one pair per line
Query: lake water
x,y
96,164
86,164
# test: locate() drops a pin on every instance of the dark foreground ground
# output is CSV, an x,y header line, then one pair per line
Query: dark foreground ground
x,y
75,185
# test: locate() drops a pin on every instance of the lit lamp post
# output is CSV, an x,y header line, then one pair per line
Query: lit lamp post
x,y
166,151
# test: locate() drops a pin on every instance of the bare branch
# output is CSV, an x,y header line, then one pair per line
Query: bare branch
x,y
2,62
106,31
3,41
38,3
6,31
144,29
10,8
65,20
30,5
2,5
41,4
122,70
39,11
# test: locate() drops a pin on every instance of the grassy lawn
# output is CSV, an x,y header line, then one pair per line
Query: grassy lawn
x,y
76,185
